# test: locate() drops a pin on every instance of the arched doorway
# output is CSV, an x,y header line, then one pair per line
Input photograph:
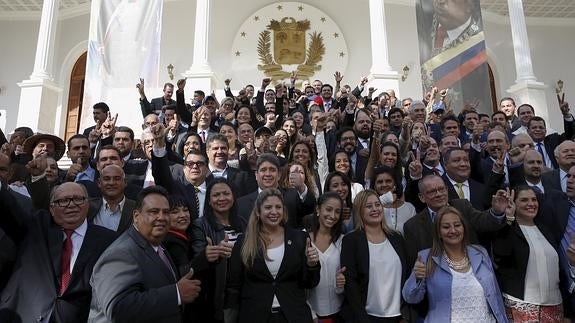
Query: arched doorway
x,y
75,96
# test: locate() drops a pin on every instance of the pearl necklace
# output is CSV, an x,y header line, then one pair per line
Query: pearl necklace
x,y
457,265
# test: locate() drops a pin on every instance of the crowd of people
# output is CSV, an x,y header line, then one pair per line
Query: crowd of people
x,y
299,202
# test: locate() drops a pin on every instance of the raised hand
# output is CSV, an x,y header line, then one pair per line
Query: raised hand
x,y
225,247
340,278
363,81
181,84
338,77
96,133
109,126
320,123
140,87
265,82
499,163
564,106
189,288
415,167
311,254
419,268
7,149
510,210
212,252
500,201
75,169
293,78
37,166
227,82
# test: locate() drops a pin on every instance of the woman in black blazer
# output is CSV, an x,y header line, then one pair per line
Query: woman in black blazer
x,y
527,264
270,268
372,237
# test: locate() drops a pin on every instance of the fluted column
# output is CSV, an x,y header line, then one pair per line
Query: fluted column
x,y
521,49
46,38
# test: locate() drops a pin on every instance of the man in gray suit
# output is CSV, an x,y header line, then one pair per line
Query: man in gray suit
x,y
134,280
113,210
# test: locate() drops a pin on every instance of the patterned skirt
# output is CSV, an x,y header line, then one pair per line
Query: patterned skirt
x,y
518,311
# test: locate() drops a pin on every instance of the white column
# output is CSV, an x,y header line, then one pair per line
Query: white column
x,y
200,75
46,38
201,38
521,47
379,51
383,75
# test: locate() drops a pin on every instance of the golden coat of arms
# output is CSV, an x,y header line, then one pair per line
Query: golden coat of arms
x,y
289,41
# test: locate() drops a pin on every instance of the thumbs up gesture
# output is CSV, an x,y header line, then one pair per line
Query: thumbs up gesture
x,y
189,288
311,254
225,247
419,269
212,252
75,169
340,277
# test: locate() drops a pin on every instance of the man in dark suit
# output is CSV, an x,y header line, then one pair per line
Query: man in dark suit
x,y
100,113
58,250
217,151
156,105
459,185
507,106
113,210
546,144
557,178
346,140
419,229
298,202
135,280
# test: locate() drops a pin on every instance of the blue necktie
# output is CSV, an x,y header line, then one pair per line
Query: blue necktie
x,y
540,150
569,230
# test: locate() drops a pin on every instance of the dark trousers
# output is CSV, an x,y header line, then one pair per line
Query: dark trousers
x,y
375,319
277,317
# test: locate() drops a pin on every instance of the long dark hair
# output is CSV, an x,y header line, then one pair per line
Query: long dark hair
x,y
391,172
235,221
331,163
345,180
336,229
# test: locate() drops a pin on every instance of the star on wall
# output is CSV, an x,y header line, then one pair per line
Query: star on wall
x,y
341,54
243,34
335,35
300,8
256,18
322,19
238,53
280,7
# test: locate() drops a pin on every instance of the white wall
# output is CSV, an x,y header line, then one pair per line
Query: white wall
x,y
550,48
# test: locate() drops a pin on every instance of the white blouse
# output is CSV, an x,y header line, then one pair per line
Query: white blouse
x,y
276,256
325,299
542,276
468,302
396,217
384,288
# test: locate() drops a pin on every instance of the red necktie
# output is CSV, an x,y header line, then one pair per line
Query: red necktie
x,y
65,260
440,37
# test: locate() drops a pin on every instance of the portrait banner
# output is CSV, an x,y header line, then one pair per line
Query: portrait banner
x,y
123,46
452,52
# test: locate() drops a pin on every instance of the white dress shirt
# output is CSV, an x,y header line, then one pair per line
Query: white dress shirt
x,y
77,240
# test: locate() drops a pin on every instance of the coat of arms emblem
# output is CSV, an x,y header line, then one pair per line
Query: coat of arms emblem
x,y
289,48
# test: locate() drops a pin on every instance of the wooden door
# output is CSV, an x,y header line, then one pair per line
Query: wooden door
x,y
75,96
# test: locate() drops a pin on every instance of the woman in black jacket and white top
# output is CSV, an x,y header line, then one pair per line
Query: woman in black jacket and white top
x,y
271,266
527,263
375,261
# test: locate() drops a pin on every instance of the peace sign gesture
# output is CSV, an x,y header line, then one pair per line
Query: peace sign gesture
x,y
109,126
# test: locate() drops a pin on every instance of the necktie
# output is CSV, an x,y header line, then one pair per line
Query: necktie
x,y
65,260
203,134
435,171
165,260
198,201
459,190
440,37
540,150
432,214
536,189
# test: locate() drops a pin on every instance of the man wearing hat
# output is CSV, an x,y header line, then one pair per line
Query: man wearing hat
x,y
46,145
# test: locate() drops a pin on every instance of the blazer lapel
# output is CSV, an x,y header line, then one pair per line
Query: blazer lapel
x,y
153,255
290,251
126,217
88,245
55,243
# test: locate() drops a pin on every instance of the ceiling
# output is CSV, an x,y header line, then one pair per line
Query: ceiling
x,y
22,9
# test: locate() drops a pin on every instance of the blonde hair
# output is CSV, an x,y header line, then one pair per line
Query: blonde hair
x,y
255,240
359,204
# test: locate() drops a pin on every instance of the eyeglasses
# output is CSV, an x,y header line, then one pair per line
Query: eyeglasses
x,y
65,202
198,164
434,191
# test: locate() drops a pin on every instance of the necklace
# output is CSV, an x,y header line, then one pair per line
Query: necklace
x,y
457,264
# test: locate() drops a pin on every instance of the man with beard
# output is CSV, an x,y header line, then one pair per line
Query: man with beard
x,y
565,155
507,106
529,172
124,140
329,102
362,128
346,140
79,153
496,148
